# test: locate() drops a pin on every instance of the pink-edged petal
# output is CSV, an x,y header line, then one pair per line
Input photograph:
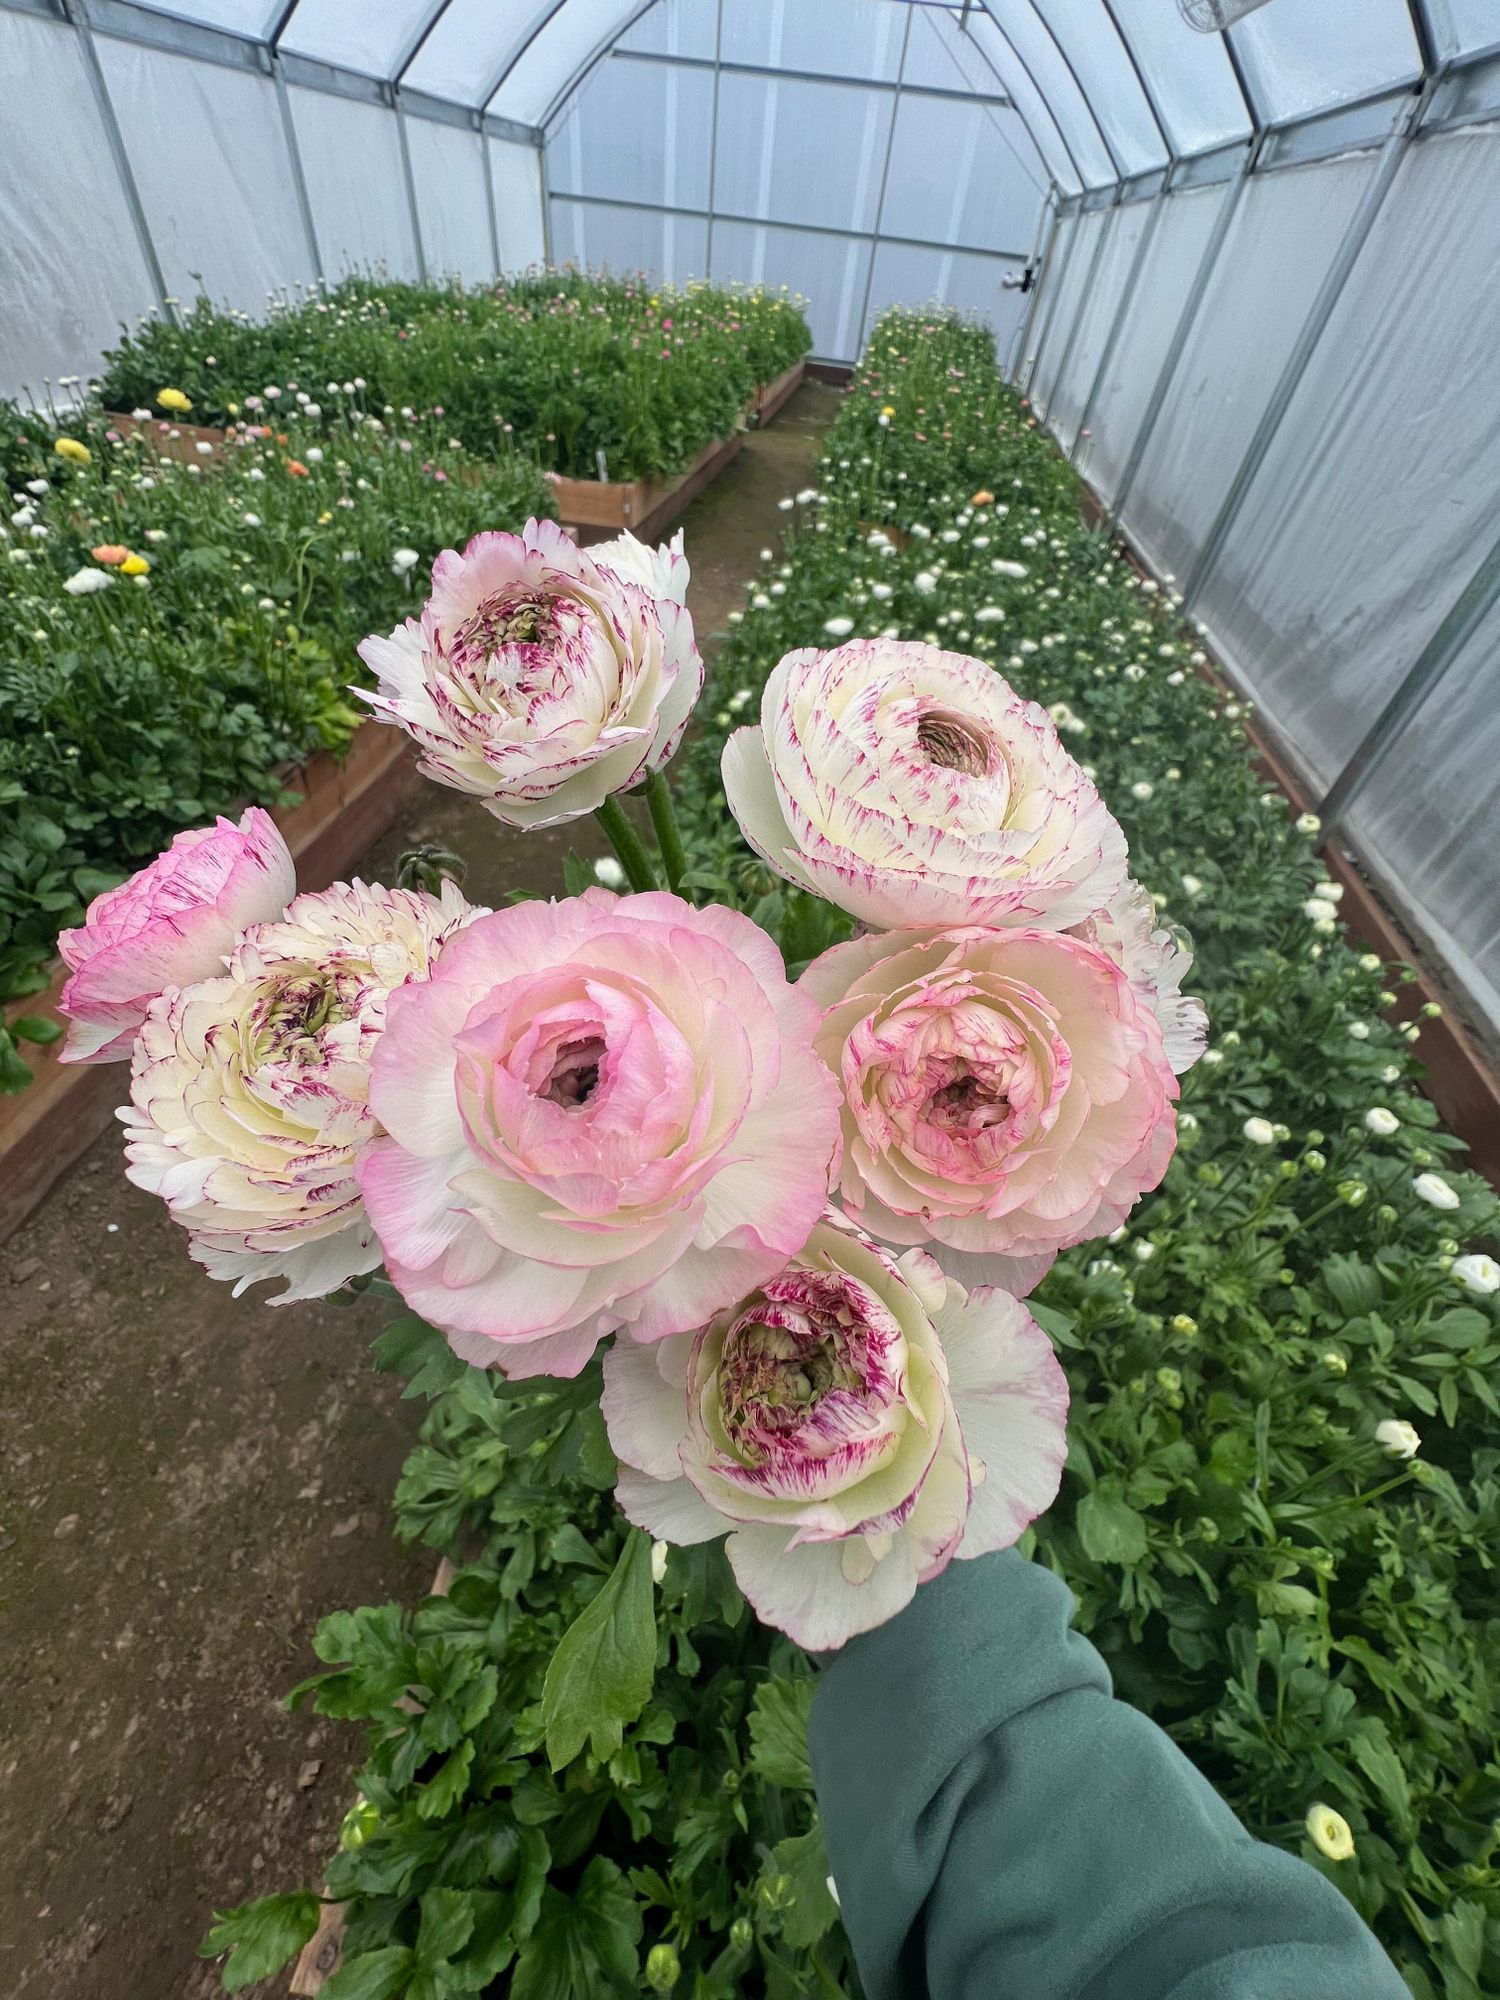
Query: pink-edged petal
x,y
1012,1401
671,1509
644,1403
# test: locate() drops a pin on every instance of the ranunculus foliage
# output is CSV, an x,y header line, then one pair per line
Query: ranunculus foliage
x,y
537,679
912,786
1005,1092
603,1113
171,924
852,1424
250,1094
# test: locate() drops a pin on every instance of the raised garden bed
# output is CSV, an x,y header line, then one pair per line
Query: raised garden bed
x,y
346,805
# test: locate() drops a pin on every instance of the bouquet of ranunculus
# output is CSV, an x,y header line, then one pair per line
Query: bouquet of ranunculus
x,y
802,1216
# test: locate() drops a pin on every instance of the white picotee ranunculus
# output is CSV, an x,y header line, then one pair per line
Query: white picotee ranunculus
x,y
1381,1122
1477,1273
663,571
1259,1131
1435,1191
913,786
1155,959
1397,1437
853,1425
538,679
250,1093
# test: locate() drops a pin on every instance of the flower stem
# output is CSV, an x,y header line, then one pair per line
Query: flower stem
x,y
627,845
668,834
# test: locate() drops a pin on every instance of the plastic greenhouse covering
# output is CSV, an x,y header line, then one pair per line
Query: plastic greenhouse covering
x,y
1248,278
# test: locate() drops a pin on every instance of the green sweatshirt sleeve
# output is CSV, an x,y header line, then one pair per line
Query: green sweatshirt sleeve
x,y
1001,1828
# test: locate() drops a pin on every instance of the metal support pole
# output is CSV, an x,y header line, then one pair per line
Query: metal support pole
x,y
1041,263
1186,320
1437,656
1057,291
1106,226
1329,293
713,137
486,167
546,181
885,175
1127,298
76,12
299,178
411,185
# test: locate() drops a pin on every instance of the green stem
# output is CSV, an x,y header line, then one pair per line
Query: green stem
x,y
668,834
627,845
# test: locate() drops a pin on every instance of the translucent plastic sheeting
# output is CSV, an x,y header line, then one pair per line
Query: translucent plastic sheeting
x,y
1070,392
957,176
671,247
830,271
355,33
677,27
516,174
1301,56
447,170
208,149
1190,76
1266,276
985,57
1161,293
639,131
1105,72
471,42
1055,327
939,57
841,37
1035,49
351,161
801,152
70,269
553,49
240,17
904,276
1464,26
1428,819
1056,261
1381,492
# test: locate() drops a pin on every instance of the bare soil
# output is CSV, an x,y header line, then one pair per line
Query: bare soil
x,y
189,1481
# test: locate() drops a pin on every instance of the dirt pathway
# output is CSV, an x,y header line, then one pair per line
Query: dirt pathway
x,y
188,1481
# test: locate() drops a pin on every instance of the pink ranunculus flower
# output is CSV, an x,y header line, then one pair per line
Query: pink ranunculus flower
x,y
537,679
250,1094
1006,1093
603,1113
912,786
853,1423
172,924
1156,961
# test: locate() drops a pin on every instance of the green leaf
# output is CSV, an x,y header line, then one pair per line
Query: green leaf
x,y
260,1937
578,874
36,1028
812,1910
778,1733
1108,1526
443,1791
600,1677
372,1975
447,1924
1373,1751
1354,1286
410,1347
585,1945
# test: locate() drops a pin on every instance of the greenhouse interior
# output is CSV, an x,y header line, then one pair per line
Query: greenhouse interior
x,y
754,742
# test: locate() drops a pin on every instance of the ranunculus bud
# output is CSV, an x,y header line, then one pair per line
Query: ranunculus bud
x,y
603,1113
1005,1092
250,1093
912,786
172,924
537,679
853,1424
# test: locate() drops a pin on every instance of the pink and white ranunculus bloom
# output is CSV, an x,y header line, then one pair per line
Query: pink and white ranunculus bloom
x,y
1006,1093
912,786
662,572
171,924
854,1424
250,1094
537,679
603,1113
1155,961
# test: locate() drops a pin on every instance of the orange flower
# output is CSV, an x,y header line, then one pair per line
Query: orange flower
x,y
109,553
296,468
281,437
983,498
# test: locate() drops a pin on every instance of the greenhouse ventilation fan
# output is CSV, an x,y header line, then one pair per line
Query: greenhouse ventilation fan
x,y
1211,17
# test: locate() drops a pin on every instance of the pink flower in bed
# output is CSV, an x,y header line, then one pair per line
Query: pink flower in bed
x,y
852,1424
1005,1092
603,1113
171,924
912,786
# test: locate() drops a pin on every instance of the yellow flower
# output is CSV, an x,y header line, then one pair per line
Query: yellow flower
x,y
1329,1832
233,409
889,410
73,451
134,566
173,399
324,518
